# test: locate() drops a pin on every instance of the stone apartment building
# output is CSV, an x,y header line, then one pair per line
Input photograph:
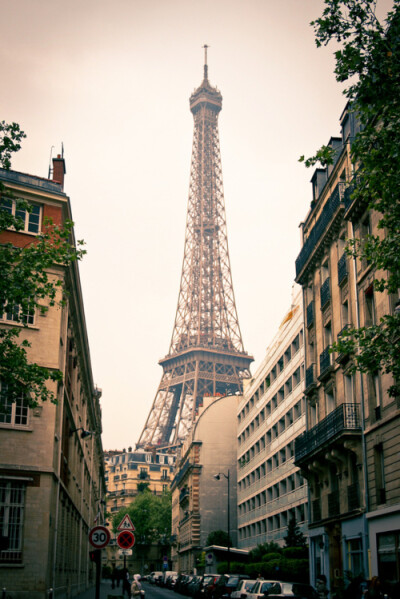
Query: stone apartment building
x,y
127,473
349,453
52,483
271,414
200,503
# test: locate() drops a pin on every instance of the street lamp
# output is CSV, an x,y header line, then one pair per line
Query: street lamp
x,y
84,432
227,476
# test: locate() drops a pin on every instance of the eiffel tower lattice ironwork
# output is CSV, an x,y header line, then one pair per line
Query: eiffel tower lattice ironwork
x,y
206,356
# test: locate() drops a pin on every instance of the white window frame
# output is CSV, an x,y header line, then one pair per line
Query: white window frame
x,y
30,225
14,315
12,506
19,415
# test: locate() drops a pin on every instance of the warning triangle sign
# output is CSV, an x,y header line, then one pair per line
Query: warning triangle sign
x,y
126,523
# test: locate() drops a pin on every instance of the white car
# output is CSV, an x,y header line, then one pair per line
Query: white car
x,y
257,592
244,588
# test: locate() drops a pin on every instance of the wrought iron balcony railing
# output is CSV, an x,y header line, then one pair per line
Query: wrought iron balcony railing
x,y
310,375
325,292
320,227
342,269
345,417
325,361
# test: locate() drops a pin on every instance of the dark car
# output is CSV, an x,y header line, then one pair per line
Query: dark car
x,y
208,586
291,589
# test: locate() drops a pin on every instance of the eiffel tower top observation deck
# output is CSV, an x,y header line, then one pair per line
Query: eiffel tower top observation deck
x,y
206,354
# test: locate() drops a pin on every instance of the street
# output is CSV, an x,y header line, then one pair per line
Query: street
x,y
155,592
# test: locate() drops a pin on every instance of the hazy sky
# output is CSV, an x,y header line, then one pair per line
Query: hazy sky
x,y
111,79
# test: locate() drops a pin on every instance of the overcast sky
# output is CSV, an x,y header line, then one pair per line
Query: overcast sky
x,y
111,79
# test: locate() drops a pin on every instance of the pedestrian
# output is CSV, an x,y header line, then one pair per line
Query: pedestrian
x,y
126,586
136,587
375,589
322,589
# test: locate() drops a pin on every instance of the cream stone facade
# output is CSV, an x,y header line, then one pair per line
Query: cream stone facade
x,y
349,453
271,414
52,483
200,501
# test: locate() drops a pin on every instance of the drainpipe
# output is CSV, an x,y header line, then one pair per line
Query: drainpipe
x,y
365,535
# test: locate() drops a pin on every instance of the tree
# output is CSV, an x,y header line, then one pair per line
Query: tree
x,y
219,537
25,285
294,537
151,515
368,59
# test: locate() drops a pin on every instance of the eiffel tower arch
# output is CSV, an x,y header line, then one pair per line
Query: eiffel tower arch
x,y
206,356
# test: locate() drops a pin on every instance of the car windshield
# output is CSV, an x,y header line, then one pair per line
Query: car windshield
x,y
265,586
232,581
248,585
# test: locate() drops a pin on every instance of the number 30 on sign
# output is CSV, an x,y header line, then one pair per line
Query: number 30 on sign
x,y
99,537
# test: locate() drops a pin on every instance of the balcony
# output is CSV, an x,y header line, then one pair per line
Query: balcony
x,y
325,363
184,495
310,376
310,314
325,292
344,419
342,269
321,228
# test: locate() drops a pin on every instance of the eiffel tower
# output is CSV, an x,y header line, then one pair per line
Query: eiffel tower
x,y
206,355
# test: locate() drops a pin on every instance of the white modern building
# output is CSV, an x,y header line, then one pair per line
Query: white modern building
x,y
271,414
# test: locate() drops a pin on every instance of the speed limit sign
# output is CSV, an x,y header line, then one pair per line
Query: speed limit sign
x,y
99,537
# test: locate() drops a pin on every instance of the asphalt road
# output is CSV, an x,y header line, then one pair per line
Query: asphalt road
x,y
155,592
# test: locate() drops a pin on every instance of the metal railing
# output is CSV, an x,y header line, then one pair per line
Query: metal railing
x,y
345,417
325,292
310,375
310,314
320,227
342,269
325,360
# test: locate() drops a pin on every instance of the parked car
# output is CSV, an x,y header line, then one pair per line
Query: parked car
x,y
166,575
244,587
231,585
154,576
193,586
208,586
220,587
170,581
292,589
260,588
180,582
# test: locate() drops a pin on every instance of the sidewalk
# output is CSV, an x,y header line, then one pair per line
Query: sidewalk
x,y
105,591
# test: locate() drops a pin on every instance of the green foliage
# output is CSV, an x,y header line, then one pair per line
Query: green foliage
x,y
219,537
267,557
294,536
368,60
26,285
259,551
295,552
151,516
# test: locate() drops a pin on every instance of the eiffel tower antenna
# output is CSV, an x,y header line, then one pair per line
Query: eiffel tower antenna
x,y
206,355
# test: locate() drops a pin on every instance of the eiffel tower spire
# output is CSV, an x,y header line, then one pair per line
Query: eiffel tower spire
x,y
206,354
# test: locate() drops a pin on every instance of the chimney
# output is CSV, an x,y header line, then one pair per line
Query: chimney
x,y
59,170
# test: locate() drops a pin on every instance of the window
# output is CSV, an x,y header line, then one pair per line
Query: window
x,y
148,457
31,219
329,401
369,306
13,413
12,502
16,313
354,556
389,555
379,474
348,388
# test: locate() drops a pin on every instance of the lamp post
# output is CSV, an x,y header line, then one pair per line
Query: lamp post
x,y
227,476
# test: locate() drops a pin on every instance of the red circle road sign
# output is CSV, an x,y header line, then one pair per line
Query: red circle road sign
x,y
126,539
99,537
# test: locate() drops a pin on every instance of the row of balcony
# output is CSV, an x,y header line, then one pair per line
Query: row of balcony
x,y
345,417
321,226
